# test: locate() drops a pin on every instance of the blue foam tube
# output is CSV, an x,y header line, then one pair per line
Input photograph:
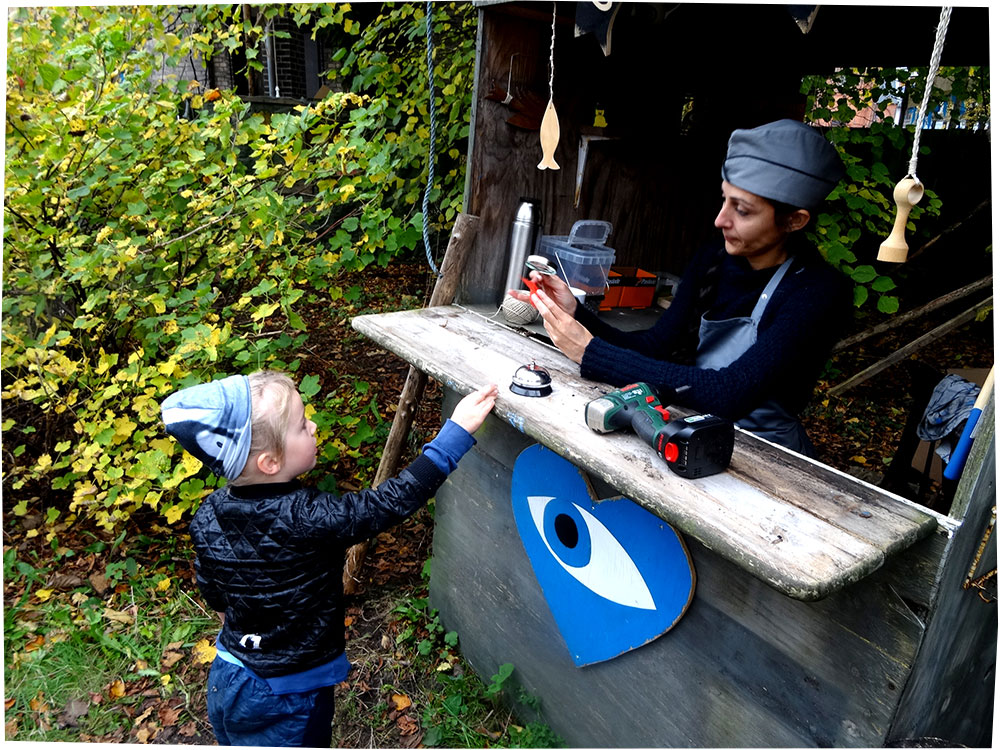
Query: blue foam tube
x,y
958,456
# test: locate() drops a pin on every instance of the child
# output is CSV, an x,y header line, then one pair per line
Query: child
x,y
270,552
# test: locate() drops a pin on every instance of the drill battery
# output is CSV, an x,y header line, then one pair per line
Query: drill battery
x,y
695,446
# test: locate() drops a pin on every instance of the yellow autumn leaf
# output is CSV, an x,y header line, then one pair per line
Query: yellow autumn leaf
x,y
264,311
158,304
48,335
401,702
203,652
124,427
165,679
43,594
163,444
190,464
859,460
171,327
173,513
115,616
44,462
163,585
117,688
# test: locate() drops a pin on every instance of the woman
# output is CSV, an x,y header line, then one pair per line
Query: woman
x,y
754,317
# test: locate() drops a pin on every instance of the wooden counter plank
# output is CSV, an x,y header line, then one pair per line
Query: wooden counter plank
x,y
804,528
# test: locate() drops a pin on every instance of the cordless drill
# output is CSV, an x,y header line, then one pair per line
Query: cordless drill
x,y
695,446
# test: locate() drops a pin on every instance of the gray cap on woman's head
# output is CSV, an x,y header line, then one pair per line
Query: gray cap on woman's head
x,y
785,161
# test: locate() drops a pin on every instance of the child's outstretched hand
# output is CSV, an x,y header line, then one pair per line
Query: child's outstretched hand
x,y
472,410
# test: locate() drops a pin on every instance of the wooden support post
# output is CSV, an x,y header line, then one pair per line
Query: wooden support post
x,y
463,236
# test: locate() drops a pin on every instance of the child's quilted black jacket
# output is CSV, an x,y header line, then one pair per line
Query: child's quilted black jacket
x,y
271,557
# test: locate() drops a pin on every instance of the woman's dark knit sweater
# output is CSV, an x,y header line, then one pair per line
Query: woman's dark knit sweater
x,y
802,321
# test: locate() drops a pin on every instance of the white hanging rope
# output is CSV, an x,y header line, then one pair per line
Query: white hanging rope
x,y
942,29
552,52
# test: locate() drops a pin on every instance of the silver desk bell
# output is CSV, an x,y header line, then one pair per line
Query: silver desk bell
x,y
531,380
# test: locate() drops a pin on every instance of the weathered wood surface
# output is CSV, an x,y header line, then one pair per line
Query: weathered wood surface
x,y
802,527
745,667
952,690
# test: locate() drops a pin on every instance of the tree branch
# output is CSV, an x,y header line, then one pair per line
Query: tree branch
x,y
903,318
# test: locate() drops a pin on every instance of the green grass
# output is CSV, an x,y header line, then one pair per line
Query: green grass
x,y
45,680
83,667
75,663
412,658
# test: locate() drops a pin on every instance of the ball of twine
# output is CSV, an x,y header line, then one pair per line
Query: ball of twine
x,y
518,313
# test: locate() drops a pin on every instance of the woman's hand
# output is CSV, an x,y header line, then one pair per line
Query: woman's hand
x,y
566,333
471,411
557,290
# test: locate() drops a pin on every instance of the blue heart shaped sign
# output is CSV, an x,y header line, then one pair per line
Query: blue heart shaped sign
x,y
614,575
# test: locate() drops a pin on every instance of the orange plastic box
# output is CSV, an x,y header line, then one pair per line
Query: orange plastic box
x,y
629,286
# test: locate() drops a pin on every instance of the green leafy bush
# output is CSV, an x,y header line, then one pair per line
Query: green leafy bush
x,y
860,212
157,234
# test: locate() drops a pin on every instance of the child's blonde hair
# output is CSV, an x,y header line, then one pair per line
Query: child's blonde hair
x,y
270,406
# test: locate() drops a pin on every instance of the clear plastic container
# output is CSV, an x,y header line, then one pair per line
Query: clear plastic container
x,y
582,259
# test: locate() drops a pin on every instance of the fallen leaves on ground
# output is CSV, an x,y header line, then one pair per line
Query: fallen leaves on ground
x,y
73,711
203,652
171,655
116,689
122,618
401,702
407,724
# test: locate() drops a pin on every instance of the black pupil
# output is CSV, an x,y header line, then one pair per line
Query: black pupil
x,y
566,530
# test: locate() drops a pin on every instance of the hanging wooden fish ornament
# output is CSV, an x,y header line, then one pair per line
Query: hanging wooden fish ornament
x,y
548,135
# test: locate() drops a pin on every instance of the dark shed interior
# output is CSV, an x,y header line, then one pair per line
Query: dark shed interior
x,y
679,79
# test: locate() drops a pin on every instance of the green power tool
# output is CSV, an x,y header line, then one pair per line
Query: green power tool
x,y
695,446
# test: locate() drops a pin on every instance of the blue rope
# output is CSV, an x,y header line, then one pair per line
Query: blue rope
x,y
430,156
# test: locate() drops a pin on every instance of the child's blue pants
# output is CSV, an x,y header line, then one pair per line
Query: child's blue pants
x,y
244,711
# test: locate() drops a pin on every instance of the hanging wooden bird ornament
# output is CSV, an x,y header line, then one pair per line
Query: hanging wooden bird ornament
x,y
548,135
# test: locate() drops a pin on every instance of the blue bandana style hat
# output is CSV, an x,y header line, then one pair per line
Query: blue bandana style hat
x,y
785,161
212,422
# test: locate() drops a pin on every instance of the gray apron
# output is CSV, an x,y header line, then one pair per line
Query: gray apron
x,y
722,342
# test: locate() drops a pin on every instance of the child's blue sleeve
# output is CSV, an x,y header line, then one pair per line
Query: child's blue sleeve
x,y
451,443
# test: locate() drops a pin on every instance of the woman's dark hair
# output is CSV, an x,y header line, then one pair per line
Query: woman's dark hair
x,y
782,212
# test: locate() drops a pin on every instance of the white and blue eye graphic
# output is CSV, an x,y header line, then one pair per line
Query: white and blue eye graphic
x,y
615,576
588,552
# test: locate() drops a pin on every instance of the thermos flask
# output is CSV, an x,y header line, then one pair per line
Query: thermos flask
x,y
523,236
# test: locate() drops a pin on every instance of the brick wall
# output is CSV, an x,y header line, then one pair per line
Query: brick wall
x,y
289,60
